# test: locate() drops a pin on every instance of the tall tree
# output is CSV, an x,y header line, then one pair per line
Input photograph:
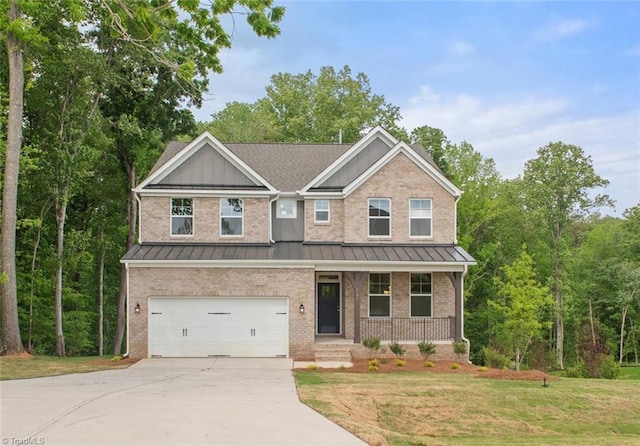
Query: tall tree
x,y
435,142
559,185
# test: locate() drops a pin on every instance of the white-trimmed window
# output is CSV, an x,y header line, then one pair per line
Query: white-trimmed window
x,y
380,295
182,216
420,217
421,295
286,208
231,217
321,211
379,217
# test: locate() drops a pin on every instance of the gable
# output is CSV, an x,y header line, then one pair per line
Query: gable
x,y
206,167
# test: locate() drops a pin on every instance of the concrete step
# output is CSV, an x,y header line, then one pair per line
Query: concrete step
x,y
333,352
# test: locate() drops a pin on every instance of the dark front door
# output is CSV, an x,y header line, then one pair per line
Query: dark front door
x,y
328,308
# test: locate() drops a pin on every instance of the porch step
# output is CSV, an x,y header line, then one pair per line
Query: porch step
x,y
333,353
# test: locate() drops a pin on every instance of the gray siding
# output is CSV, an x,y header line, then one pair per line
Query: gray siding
x,y
207,167
288,229
358,164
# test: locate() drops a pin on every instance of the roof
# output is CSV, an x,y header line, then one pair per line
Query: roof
x,y
318,255
286,166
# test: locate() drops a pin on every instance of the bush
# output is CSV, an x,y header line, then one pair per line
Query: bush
x,y
610,368
460,348
397,349
455,366
426,349
429,364
576,371
373,365
313,367
482,369
401,362
494,359
372,345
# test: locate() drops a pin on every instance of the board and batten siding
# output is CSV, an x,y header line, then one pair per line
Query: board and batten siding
x,y
288,229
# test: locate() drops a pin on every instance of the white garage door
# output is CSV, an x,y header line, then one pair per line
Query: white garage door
x,y
203,327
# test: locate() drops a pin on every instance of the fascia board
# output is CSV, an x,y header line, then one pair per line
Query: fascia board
x,y
322,195
197,144
203,193
353,151
412,155
318,265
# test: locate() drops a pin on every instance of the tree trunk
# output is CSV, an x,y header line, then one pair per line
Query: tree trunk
x,y
101,294
559,303
10,341
34,258
624,317
61,217
518,359
132,216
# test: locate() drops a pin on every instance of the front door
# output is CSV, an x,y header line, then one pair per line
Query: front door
x,y
328,308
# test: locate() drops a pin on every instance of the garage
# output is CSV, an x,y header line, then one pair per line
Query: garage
x,y
210,327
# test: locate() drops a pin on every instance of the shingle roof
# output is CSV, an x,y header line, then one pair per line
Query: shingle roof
x,y
287,166
299,251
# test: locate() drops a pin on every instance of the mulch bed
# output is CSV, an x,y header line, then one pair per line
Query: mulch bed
x,y
413,365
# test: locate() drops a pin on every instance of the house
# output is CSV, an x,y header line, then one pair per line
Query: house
x,y
292,250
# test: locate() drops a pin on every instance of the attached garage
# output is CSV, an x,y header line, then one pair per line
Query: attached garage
x,y
210,327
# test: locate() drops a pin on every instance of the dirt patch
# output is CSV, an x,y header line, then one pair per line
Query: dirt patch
x,y
414,365
126,362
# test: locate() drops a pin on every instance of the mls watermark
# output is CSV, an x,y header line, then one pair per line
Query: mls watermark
x,y
13,441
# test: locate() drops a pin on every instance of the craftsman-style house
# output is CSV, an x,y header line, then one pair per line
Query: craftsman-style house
x,y
294,250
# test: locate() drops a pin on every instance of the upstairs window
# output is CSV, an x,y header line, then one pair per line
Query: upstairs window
x,y
286,209
380,295
379,217
182,216
421,295
321,211
420,218
231,215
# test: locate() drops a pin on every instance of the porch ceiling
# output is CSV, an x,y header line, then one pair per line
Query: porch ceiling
x,y
325,256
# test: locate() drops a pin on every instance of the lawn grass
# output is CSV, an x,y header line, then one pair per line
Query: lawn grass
x,y
413,408
630,372
21,367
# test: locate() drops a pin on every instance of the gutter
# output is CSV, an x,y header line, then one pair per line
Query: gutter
x,y
126,354
464,273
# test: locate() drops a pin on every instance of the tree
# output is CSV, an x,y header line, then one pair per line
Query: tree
x,y
558,186
435,142
522,304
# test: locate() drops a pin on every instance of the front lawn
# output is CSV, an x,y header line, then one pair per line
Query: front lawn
x,y
27,366
413,408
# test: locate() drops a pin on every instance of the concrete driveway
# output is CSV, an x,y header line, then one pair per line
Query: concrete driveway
x,y
166,402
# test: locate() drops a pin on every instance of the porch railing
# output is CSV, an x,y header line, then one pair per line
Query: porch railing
x,y
408,328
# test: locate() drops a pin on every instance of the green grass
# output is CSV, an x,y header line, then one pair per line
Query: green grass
x,y
22,367
451,408
632,372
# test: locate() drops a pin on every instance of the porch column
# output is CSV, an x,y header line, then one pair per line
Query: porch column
x,y
456,280
357,279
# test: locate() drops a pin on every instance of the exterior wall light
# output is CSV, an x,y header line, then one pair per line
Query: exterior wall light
x,y
301,308
137,308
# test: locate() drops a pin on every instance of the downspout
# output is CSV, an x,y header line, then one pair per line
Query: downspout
x,y
126,269
135,194
271,217
464,273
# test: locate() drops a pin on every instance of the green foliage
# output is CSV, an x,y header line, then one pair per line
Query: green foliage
x,y
455,366
401,362
460,348
373,365
482,369
426,349
372,345
397,349
610,368
429,364
495,359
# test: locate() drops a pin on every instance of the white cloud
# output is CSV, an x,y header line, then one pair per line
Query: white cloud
x,y
461,48
561,29
511,131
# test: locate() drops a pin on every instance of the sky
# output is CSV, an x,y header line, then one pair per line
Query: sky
x,y
507,77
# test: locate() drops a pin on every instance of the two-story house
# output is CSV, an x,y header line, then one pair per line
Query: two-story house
x,y
261,250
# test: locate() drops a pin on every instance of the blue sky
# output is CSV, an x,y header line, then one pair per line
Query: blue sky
x,y
508,77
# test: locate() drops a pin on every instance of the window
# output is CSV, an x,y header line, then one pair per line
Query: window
x,y
231,217
286,209
379,295
420,218
421,297
321,211
182,216
379,217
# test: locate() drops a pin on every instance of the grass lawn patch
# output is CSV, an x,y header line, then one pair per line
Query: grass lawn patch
x,y
418,407
631,372
27,366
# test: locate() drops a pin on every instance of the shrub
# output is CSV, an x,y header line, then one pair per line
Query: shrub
x,y
494,359
372,345
374,362
373,365
401,362
610,368
576,371
397,349
429,364
313,367
460,348
426,349
455,366
482,369
116,358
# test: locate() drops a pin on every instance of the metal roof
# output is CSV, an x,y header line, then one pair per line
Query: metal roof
x,y
307,253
